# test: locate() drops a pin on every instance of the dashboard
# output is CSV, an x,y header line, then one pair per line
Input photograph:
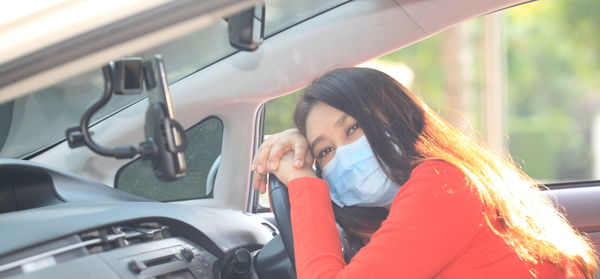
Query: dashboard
x,y
58,225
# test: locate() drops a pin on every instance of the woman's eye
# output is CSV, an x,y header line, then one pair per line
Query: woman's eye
x,y
324,152
352,128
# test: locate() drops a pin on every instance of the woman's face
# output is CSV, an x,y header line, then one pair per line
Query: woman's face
x,y
328,128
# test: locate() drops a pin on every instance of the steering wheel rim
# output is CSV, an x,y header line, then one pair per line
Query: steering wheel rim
x,y
280,205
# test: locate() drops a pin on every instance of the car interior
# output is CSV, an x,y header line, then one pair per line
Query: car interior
x,y
68,210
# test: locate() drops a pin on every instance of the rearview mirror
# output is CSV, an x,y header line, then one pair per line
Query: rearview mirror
x,y
247,28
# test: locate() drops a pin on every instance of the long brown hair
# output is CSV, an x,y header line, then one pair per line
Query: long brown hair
x,y
390,115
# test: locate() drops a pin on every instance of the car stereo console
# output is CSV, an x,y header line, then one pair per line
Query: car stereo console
x,y
167,258
136,250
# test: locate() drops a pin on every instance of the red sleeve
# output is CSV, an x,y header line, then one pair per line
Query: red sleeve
x,y
432,219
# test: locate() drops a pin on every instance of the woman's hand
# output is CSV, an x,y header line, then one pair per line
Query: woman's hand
x,y
268,157
288,172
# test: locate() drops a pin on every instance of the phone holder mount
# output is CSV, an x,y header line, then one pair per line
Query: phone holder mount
x,y
165,138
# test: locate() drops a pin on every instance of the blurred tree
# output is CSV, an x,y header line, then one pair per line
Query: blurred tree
x,y
550,47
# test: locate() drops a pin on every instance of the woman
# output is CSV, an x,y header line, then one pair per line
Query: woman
x,y
456,210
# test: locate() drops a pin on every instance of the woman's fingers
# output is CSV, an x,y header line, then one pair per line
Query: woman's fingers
x,y
300,151
277,151
259,166
260,182
256,181
270,152
288,141
261,157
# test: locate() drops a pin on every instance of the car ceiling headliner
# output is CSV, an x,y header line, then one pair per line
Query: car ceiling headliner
x,y
426,17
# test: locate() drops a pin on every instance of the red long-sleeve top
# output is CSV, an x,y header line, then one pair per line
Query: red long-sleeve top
x,y
435,229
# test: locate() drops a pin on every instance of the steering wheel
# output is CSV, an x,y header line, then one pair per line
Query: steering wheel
x,y
280,205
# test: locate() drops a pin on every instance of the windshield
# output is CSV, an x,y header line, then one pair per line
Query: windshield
x,y
39,120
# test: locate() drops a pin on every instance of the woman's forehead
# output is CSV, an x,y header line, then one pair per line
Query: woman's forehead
x,y
323,119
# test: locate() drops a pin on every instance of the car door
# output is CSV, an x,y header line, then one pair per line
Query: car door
x,y
580,202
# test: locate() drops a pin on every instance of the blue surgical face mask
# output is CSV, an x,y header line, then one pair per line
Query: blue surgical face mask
x,y
355,177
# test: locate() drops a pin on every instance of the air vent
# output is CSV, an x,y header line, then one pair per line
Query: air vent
x,y
90,242
111,237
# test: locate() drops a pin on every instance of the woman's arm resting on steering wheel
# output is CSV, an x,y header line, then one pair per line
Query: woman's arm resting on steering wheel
x,y
268,156
287,172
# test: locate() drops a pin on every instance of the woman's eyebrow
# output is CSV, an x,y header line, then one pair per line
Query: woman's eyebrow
x,y
341,120
338,122
314,143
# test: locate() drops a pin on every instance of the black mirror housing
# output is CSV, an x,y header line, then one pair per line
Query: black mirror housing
x,y
247,28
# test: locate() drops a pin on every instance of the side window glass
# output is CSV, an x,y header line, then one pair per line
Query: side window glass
x,y
204,148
